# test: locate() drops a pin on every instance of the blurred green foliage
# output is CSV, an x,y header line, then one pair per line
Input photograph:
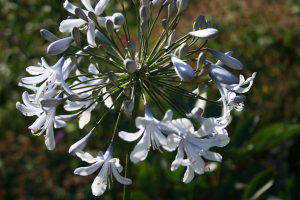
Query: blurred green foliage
x,y
262,159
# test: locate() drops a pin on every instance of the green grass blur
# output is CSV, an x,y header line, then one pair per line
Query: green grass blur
x,y
262,159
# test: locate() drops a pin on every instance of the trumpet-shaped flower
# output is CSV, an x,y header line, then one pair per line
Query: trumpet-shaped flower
x,y
110,167
150,130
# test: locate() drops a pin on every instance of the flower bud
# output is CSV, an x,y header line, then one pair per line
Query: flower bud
x,y
118,19
59,46
93,61
75,97
156,3
109,27
102,49
172,38
95,94
201,88
48,35
165,24
226,59
128,107
200,22
93,16
182,5
196,113
205,70
229,53
183,70
201,60
171,9
112,78
219,74
131,48
151,6
145,29
67,118
79,145
145,2
183,50
101,37
76,35
79,12
127,91
130,65
70,17
167,2
208,24
207,34
144,13
51,102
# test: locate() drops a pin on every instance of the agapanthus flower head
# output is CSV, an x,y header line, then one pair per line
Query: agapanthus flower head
x,y
118,69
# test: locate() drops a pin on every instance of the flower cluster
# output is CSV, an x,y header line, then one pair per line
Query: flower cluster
x,y
159,75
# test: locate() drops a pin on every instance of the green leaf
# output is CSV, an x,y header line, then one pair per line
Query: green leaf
x,y
272,135
259,184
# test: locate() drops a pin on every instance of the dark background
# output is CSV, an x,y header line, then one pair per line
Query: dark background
x,y
262,159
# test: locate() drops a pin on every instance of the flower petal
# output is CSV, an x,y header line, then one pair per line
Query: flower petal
x,y
188,175
87,5
119,178
173,141
129,137
101,5
71,8
178,159
91,34
213,156
140,151
49,137
67,25
168,116
99,185
85,156
84,171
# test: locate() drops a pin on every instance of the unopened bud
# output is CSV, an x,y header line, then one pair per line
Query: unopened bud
x,y
131,48
76,35
151,6
79,12
74,59
205,70
128,107
200,22
118,19
101,37
171,9
219,62
206,34
145,2
48,35
182,5
196,113
188,61
167,2
130,65
109,27
201,61
93,16
208,24
70,17
127,91
102,49
183,50
201,88
75,97
145,29
93,61
172,38
165,24
59,46
112,78
227,60
144,13
95,94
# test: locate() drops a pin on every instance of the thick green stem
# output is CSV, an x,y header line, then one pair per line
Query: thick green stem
x,y
128,167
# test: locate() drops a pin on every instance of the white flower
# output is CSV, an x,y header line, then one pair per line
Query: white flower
x,y
68,24
88,84
228,85
111,166
185,138
150,128
182,69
